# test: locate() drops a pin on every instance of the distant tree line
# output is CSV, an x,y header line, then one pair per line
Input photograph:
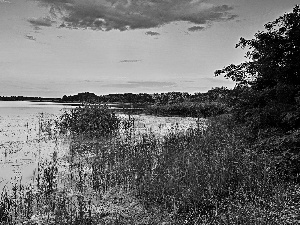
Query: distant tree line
x,y
214,102
28,98
215,94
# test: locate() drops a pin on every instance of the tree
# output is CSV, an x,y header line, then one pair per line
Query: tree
x,y
268,90
274,55
269,82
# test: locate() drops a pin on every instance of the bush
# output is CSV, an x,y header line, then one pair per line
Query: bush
x,y
192,109
93,120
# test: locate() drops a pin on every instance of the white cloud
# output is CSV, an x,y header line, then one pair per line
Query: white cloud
x,y
4,1
135,14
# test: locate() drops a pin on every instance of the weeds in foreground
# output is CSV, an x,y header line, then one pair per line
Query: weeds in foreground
x,y
211,176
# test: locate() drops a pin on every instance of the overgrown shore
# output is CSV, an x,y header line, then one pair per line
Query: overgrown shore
x,y
210,174
240,167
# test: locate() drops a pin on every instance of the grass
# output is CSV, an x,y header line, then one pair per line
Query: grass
x,y
201,176
193,109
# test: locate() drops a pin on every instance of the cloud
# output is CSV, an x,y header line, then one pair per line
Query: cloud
x,y
30,37
196,28
4,1
135,14
152,33
40,22
130,60
142,84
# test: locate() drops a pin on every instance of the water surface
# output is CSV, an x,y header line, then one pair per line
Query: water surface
x,y
22,143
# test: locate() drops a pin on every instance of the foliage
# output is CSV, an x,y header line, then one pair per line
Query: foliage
x,y
269,84
93,120
198,169
274,55
202,176
189,175
268,88
5,207
186,173
192,109
228,173
81,97
215,94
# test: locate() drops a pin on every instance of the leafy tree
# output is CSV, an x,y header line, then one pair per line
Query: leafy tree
x,y
269,82
267,92
274,55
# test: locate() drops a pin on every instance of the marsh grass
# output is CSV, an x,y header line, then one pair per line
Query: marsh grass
x,y
5,207
199,176
44,204
188,174
196,170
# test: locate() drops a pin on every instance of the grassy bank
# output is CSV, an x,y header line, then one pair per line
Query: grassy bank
x,y
201,176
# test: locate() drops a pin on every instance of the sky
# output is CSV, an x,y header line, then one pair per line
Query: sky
x,y
51,48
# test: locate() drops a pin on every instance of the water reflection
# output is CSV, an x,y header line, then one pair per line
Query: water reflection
x,y
22,142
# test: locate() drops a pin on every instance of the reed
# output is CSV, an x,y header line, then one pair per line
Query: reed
x,y
200,176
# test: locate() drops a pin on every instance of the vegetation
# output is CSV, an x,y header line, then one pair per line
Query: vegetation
x,y
268,89
241,168
192,109
144,98
25,98
93,120
201,176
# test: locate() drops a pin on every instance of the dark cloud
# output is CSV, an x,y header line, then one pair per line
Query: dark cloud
x,y
135,14
30,37
196,28
40,22
152,33
143,84
130,61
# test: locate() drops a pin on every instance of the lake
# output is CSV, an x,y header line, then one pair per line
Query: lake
x,y
22,144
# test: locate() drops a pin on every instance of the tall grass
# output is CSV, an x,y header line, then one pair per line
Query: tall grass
x,y
196,170
188,174
201,176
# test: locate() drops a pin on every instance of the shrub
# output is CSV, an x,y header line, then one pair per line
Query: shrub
x,y
192,109
93,120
